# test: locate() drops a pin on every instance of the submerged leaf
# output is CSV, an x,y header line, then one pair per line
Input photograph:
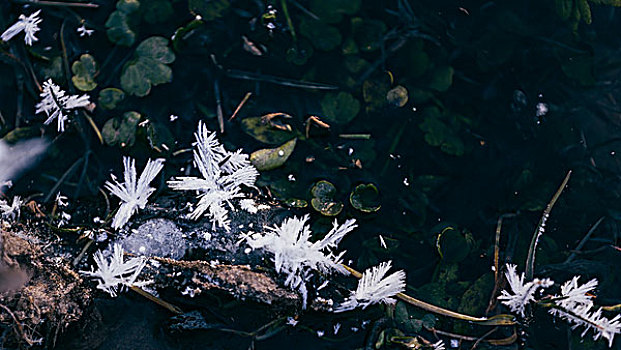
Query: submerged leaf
x,y
121,131
340,107
83,71
323,193
149,67
209,9
118,29
265,133
272,158
365,197
323,36
110,97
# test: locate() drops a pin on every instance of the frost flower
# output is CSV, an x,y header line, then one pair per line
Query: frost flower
x,y
374,288
55,104
113,275
84,32
10,211
576,306
296,256
222,172
29,25
522,293
133,194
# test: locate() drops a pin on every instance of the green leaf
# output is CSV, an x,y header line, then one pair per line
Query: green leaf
x,y
368,33
157,11
397,96
121,131
323,36
365,197
272,158
442,78
83,72
332,11
323,193
452,245
340,107
300,53
118,29
374,93
148,68
209,9
110,97
127,6
265,133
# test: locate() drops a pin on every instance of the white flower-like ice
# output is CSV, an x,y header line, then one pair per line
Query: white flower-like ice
x,y
28,24
55,104
375,287
115,274
10,211
134,192
522,292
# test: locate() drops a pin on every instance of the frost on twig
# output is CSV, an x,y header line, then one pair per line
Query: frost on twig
x,y
375,287
28,24
55,104
115,274
10,211
133,193
574,304
296,256
522,293
222,173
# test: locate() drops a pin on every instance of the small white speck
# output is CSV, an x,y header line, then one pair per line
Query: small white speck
x,y
173,117
142,249
454,343
612,153
542,109
144,123
291,178
281,153
350,151
165,147
292,321
414,109
247,250
320,333
406,182
323,285
382,242
337,327
493,268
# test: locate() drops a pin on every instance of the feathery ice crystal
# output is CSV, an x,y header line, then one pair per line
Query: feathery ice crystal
x,y
574,304
523,293
133,194
29,25
373,288
222,173
114,275
296,256
10,211
55,104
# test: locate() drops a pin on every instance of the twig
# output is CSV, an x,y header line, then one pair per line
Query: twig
x,y
305,10
61,180
530,260
584,240
355,136
56,3
497,320
497,259
216,87
240,105
504,341
19,330
170,307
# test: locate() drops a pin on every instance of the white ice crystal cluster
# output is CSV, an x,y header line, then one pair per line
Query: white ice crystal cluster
x,y
522,293
10,211
574,304
133,192
55,104
296,256
28,24
114,275
222,173
375,287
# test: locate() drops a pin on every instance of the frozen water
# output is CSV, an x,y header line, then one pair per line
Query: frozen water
x,y
157,237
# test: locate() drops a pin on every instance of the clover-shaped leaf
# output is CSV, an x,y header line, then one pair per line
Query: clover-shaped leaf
x,y
323,201
340,107
148,68
121,130
110,97
118,29
323,36
83,71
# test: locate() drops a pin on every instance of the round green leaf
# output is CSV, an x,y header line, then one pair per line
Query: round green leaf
x,y
134,82
340,107
323,36
272,158
323,190
83,71
157,11
452,245
209,9
397,96
365,197
442,78
118,29
263,132
332,11
121,131
110,97
368,33
326,207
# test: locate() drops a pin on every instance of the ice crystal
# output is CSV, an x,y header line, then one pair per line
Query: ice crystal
x,y
222,173
576,306
374,288
55,103
522,292
296,256
115,274
10,211
29,25
133,194
84,32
